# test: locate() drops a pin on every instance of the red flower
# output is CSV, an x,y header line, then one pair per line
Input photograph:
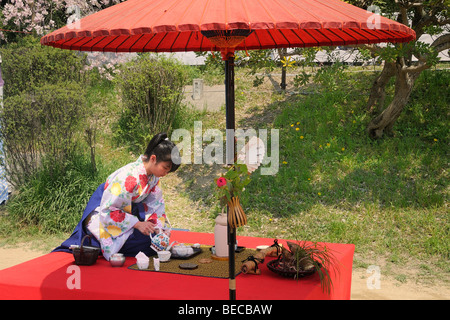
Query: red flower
x,y
143,180
130,183
106,185
221,182
117,216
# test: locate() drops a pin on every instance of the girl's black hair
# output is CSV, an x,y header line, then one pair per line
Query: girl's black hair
x,y
164,150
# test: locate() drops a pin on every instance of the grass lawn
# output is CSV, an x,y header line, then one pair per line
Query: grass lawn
x,y
334,184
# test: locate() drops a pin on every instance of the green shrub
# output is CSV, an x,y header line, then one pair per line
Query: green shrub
x,y
38,127
44,102
152,90
27,64
53,202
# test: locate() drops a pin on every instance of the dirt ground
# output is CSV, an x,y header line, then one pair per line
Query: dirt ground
x,y
389,289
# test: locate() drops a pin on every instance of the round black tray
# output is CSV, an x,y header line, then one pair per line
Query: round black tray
x,y
272,265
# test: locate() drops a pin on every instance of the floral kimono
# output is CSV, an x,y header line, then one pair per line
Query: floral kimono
x,y
113,222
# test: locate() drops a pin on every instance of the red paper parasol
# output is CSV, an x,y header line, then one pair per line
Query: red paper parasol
x,y
226,26
184,25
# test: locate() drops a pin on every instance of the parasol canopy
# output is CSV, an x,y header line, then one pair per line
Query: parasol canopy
x,y
183,25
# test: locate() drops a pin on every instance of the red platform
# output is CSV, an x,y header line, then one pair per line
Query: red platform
x,y
47,277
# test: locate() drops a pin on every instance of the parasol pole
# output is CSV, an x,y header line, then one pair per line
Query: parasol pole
x,y
226,41
231,153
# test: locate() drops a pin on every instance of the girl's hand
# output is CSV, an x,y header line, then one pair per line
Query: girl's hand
x,y
145,227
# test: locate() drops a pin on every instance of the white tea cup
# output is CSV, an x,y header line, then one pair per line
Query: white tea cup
x,y
156,264
164,255
142,263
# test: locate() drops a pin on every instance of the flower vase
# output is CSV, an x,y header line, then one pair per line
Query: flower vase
x,y
221,236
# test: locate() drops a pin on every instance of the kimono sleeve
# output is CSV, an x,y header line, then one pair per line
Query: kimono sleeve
x,y
116,205
155,207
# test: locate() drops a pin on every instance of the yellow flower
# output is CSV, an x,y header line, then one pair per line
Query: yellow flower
x,y
116,189
296,129
114,230
292,125
319,193
301,137
162,220
298,122
127,209
284,162
287,62
435,140
103,233
328,144
343,149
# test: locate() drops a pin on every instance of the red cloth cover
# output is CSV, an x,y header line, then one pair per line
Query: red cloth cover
x,y
47,277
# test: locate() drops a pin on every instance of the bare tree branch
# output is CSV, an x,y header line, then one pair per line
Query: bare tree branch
x,y
442,43
418,68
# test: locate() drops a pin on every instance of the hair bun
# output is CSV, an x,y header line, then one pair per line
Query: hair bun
x,y
157,139
161,137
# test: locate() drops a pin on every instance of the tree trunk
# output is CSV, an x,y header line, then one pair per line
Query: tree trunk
x,y
378,91
405,77
283,78
282,52
384,122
